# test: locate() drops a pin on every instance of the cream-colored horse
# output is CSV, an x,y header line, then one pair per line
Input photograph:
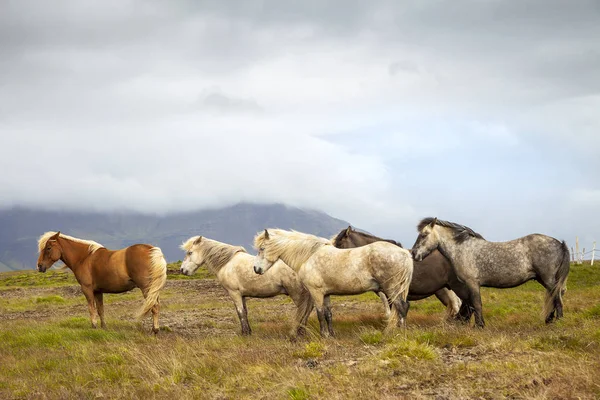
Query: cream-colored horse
x,y
325,270
233,267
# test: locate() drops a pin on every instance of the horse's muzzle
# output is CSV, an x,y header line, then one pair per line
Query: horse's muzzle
x,y
41,268
415,256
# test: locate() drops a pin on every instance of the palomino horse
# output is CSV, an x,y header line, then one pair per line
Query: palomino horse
x,y
478,262
430,276
99,270
233,267
325,270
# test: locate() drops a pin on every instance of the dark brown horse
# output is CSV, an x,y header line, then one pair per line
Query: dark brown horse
x,y
432,276
99,270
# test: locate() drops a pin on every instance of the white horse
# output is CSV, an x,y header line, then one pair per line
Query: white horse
x,y
233,267
325,270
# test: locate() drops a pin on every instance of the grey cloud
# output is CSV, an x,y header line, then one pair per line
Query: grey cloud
x,y
118,90
222,103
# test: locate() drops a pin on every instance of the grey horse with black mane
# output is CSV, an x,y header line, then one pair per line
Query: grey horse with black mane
x,y
478,262
433,275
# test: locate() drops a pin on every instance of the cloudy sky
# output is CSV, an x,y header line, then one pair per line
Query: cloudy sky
x,y
480,112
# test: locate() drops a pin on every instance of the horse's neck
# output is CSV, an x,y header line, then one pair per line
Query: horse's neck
x,y
360,240
457,251
73,253
216,267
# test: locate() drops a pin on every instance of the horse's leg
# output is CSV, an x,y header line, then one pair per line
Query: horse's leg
x,y
444,298
386,303
301,298
475,298
328,316
465,312
240,306
245,311
319,300
100,308
155,311
401,308
89,296
450,300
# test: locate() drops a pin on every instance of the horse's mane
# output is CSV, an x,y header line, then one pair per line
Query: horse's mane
x,y
298,246
461,232
92,246
336,240
215,254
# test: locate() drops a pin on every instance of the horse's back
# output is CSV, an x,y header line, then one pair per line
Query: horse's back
x,y
509,264
355,270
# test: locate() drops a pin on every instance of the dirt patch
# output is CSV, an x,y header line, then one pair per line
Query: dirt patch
x,y
454,355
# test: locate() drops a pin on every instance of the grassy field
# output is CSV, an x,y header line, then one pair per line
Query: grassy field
x,y
48,350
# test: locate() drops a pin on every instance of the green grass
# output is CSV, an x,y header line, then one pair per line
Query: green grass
x,y
49,350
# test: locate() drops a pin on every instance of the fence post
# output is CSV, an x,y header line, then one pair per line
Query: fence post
x,y
572,254
593,252
576,249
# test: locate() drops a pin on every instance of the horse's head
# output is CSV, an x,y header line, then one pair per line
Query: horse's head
x,y
193,259
50,253
344,239
427,241
265,258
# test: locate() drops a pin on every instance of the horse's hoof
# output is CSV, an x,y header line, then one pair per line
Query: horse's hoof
x,y
155,331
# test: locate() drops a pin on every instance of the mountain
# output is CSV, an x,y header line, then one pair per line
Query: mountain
x,y
20,228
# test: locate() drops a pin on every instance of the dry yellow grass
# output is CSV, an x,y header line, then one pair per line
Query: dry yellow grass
x,y
48,350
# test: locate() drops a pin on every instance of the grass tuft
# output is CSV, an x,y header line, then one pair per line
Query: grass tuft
x,y
311,350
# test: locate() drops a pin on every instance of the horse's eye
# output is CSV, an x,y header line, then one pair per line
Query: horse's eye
x,y
189,253
262,249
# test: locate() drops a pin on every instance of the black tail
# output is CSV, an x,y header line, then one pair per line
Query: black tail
x,y
554,296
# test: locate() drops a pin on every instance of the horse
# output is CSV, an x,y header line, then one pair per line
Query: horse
x,y
99,270
233,267
478,262
430,276
325,270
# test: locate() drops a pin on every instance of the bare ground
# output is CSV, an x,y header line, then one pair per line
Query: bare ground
x,y
47,349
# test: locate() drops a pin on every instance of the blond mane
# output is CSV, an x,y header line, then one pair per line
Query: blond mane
x,y
92,246
296,247
214,254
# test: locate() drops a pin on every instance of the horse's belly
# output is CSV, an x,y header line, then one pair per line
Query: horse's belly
x,y
507,279
116,288
350,287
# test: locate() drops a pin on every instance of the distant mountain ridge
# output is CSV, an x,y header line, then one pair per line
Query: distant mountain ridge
x,y
20,228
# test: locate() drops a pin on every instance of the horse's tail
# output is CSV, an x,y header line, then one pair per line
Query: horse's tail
x,y
157,278
560,281
399,293
304,306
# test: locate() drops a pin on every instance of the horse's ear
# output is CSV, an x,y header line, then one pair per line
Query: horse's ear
x,y
349,230
266,234
432,224
55,236
197,241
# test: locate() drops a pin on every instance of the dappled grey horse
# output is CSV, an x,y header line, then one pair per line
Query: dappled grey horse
x,y
478,262
430,276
